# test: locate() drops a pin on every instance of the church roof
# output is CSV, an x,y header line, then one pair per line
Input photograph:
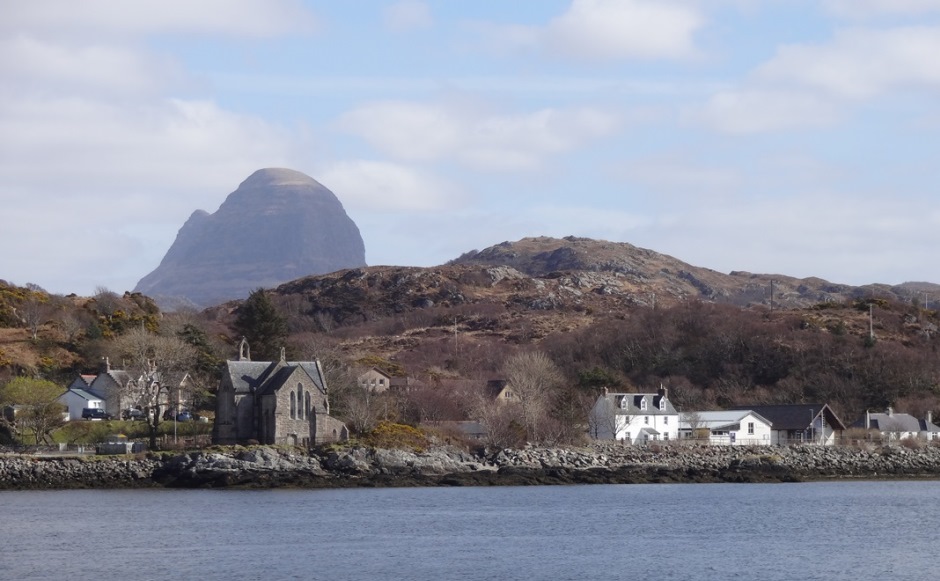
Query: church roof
x,y
268,376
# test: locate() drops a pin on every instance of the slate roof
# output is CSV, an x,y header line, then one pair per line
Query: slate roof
x,y
796,417
83,394
633,401
896,422
251,376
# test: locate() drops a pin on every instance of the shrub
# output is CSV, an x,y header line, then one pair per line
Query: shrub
x,y
397,436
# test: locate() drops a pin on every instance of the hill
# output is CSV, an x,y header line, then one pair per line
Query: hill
x,y
606,313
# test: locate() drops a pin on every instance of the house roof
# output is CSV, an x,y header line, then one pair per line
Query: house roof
x,y
631,404
83,394
495,387
895,422
796,416
721,419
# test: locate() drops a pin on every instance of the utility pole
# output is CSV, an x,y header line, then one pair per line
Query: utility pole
x,y
871,324
771,295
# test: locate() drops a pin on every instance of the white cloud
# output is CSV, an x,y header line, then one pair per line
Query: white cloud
x,y
624,29
474,138
875,8
88,18
32,64
605,30
749,111
408,15
861,63
373,186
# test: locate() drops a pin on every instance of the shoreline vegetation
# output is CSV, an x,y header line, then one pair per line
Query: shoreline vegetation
x,y
598,463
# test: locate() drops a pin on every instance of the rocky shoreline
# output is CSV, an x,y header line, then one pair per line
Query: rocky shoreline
x,y
269,467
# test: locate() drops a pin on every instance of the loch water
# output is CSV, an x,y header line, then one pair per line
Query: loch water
x,y
828,530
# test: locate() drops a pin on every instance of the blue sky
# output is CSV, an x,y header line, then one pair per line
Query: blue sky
x,y
779,136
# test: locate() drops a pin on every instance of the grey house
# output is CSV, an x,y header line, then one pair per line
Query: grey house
x,y
895,426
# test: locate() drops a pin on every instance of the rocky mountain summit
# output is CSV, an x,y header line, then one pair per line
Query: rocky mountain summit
x,y
646,275
279,225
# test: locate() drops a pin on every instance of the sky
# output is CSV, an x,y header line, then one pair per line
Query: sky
x,y
789,137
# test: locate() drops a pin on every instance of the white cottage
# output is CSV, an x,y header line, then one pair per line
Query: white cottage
x,y
727,428
634,418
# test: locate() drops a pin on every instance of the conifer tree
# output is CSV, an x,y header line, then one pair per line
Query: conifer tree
x,y
259,321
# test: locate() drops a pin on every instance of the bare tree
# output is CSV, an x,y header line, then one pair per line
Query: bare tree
x,y
695,421
107,302
534,380
605,419
36,309
363,410
159,366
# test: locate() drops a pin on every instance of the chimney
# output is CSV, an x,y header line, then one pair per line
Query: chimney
x,y
663,391
890,411
604,392
929,416
105,365
867,420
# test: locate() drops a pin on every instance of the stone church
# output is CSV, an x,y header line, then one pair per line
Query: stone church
x,y
274,402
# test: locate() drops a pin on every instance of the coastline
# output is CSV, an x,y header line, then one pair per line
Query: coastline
x,y
598,463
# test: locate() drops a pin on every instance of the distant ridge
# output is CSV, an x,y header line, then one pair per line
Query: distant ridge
x,y
279,225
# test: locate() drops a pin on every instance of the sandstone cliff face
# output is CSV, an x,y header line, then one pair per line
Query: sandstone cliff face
x,y
279,225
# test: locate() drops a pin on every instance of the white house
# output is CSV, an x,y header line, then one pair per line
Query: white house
x,y
895,426
635,418
809,423
77,399
728,428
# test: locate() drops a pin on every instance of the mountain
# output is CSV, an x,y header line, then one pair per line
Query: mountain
x,y
279,225
644,275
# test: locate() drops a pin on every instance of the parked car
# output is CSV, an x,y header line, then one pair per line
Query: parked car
x,y
184,417
132,414
95,414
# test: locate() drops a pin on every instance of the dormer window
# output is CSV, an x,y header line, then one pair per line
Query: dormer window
x,y
642,403
623,403
662,404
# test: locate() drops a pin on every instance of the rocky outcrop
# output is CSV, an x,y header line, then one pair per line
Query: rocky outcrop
x,y
279,225
601,463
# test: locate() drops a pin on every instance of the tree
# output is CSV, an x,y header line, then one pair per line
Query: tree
x,y
40,411
36,309
260,323
534,380
160,366
606,421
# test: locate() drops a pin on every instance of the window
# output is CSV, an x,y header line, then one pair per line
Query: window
x,y
300,401
627,436
646,420
643,403
666,437
662,403
750,427
293,405
307,405
665,420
